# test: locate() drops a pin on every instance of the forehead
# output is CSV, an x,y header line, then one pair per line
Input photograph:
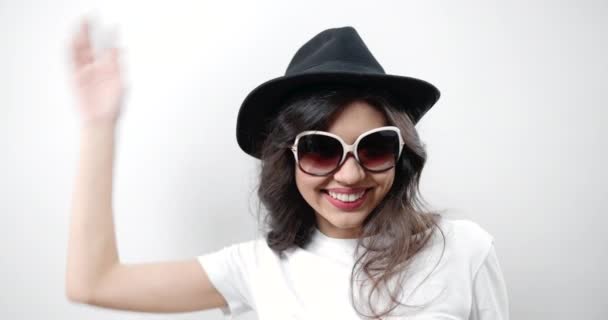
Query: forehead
x,y
356,118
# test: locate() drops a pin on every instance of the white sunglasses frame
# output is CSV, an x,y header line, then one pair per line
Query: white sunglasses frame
x,y
346,148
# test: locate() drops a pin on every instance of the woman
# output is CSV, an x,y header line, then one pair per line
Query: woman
x,y
346,236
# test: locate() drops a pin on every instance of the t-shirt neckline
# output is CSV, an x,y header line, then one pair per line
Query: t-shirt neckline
x,y
338,249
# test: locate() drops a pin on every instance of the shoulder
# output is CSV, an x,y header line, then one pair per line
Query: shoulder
x,y
245,254
466,239
468,231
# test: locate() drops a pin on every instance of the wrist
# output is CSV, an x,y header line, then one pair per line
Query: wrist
x,y
98,127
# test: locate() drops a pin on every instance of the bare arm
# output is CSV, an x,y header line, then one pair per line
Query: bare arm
x,y
179,286
94,273
92,242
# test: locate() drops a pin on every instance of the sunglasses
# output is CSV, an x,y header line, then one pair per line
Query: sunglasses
x,y
321,153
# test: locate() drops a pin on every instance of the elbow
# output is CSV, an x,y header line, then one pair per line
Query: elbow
x,y
81,289
77,293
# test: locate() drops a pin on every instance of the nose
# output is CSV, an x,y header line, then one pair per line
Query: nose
x,y
350,173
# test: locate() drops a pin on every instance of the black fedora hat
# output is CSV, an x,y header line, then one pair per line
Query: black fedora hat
x,y
334,56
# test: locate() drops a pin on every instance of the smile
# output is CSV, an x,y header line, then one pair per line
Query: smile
x,y
346,202
346,197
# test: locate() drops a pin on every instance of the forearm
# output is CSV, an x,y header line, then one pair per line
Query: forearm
x,y
92,249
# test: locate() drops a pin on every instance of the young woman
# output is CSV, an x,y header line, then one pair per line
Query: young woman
x,y
346,235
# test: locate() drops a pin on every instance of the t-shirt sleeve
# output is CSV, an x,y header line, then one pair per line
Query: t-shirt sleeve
x,y
490,298
229,270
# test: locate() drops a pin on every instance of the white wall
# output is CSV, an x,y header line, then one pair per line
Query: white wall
x,y
516,142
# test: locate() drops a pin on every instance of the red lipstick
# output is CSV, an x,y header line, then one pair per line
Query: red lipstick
x,y
346,206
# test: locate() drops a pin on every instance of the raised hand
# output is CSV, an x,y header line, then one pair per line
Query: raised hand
x,y
97,80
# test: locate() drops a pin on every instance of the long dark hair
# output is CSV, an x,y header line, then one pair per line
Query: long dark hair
x,y
396,230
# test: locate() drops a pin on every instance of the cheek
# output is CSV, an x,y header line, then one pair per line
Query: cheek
x,y
385,182
307,186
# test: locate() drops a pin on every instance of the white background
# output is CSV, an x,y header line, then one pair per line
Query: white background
x,y
516,142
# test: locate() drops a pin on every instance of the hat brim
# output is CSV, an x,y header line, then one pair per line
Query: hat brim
x,y
416,97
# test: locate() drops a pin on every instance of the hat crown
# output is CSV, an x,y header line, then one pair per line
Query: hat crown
x,y
335,56
336,49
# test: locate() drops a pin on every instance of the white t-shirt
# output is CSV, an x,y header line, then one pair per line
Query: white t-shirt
x,y
314,282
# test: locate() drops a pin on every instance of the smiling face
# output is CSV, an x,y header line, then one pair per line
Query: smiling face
x,y
332,218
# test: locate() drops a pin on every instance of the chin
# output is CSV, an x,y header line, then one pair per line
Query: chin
x,y
341,221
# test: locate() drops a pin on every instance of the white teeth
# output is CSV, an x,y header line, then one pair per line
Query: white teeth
x,y
346,197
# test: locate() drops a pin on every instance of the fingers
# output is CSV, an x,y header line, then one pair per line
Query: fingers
x,y
82,51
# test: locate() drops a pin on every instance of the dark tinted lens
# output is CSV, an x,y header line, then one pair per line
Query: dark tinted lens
x,y
378,151
318,154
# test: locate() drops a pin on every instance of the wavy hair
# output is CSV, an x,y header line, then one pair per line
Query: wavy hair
x,y
394,232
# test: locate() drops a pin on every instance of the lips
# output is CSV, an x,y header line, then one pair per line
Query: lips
x,y
347,206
